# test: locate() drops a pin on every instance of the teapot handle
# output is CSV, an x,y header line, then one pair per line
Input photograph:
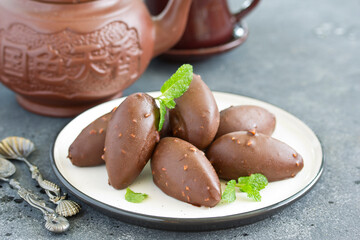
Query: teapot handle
x,y
247,7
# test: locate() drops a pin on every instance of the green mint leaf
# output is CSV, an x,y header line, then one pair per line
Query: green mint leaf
x,y
178,83
170,104
173,88
252,185
162,114
257,180
134,197
229,192
252,192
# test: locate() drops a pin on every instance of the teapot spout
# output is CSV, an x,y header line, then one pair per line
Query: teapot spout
x,y
170,25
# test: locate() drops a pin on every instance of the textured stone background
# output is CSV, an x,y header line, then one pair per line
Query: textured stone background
x,y
303,56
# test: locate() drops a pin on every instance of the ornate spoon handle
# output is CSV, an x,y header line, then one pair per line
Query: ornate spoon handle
x,y
51,189
19,148
54,222
64,207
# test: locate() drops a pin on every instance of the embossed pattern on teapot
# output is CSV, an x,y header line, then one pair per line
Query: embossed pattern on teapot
x,y
108,54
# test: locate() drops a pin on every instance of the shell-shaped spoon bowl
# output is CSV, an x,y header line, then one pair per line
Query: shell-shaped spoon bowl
x,y
7,169
67,208
15,147
57,225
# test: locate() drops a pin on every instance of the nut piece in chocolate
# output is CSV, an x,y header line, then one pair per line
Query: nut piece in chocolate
x,y
130,139
195,117
88,147
246,118
243,153
182,171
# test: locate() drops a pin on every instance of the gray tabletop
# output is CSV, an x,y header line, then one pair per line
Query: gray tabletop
x,y
302,56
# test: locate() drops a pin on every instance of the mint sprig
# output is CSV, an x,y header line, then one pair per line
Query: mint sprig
x,y
250,185
229,193
134,197
173,88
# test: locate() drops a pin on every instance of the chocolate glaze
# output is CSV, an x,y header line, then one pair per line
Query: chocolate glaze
x,y
88,146
131,138
246,118
195,117
242,153
182,171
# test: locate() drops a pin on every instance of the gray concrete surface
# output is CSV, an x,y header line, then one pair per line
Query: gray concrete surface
x,y
303,56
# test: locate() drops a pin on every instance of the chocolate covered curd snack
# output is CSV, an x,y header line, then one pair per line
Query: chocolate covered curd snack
x,y
182,171
195,117
246,118
88,147
133,130
243,153
130,140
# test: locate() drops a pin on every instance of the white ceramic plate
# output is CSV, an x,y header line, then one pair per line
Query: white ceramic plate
x,y
161,211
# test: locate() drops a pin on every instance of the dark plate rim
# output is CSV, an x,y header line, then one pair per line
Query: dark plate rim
x,y
186,224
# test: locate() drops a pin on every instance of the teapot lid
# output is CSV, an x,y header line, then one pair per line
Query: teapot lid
x,y
64,1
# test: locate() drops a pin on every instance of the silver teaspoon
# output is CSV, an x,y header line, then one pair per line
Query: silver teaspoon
x,y
53,221
20,148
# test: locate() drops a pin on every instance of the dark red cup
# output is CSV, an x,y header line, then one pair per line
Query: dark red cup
x,y
210,22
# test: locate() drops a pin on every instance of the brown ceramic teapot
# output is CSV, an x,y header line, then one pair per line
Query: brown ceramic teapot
x,y
64,56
